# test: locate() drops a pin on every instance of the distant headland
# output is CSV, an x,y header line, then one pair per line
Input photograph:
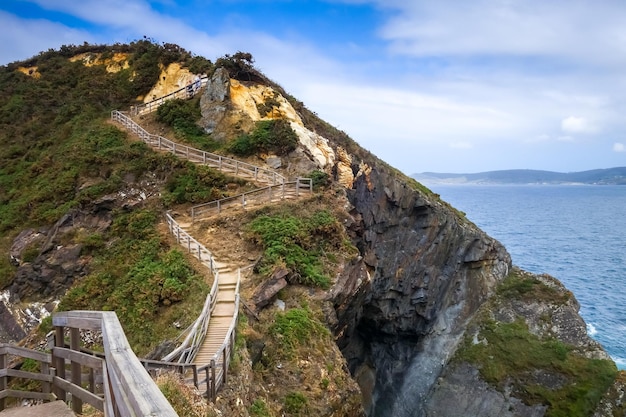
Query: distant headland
x,y
609,176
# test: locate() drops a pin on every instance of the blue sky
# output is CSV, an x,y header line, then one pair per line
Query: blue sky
x,y
426,85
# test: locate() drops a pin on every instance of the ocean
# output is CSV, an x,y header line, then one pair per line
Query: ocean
x,y
576,233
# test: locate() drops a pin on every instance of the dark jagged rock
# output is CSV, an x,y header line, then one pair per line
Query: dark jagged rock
x,y
268,289
10,329
403,307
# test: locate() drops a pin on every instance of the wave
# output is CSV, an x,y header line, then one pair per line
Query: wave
x,y
591,330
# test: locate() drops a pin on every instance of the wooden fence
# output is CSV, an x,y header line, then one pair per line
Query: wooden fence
x,y
259,196
189,347
123,387
222,163
182,93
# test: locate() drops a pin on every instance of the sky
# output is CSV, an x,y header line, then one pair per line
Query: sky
x,y
427,85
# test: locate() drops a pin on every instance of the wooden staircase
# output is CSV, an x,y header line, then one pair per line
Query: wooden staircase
x,y
222,304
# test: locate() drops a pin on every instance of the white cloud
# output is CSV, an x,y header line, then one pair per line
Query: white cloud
x,y
24,38
619,147
573,124
461,145
585,31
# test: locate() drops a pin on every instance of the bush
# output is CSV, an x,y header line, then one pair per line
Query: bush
x,y
296,403
259,409
182,115
512,355
320,179
274,136
298,243
198,184
296,328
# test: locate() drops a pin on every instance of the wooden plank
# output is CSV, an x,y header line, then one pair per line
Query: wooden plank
x,y
12,393
15,373
144,397
80,393
26,353
78,357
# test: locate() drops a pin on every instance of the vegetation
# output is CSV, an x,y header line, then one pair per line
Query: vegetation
x,y
298,242
529,288
296,328
197,184
138,276
182,116
296,403
508,354
320,179
185,401
259,408
274,136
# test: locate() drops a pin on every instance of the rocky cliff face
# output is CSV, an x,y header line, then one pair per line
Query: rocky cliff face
x,y
403,308
424,270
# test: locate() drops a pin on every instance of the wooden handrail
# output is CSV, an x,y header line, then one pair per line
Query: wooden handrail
x,y
219,162
129,389
259,195
182,92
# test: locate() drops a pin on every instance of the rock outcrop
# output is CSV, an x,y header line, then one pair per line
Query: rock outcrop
x,y
402,308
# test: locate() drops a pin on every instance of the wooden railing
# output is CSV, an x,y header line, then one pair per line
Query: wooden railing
x,y
259,196
211,376
186,352
128,388
45,375
222,163
185,92
124,387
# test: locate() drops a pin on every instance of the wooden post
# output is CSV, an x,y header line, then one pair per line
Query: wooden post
x,y
224,364
213,388
298,187
3,380
194,368
59,362
92,380
45,370
77,403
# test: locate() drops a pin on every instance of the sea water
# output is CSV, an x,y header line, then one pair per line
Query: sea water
x,y
576,233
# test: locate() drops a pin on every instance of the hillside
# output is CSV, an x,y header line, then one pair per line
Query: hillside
x,y
609,176
370,297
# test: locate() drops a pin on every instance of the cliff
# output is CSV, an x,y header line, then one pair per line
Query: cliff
x,y
423,315
402,308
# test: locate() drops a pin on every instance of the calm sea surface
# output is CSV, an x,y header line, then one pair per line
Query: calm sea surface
x,y
576,233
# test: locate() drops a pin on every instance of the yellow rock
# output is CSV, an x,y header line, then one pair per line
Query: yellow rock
x,y
30,71
116,63
171,79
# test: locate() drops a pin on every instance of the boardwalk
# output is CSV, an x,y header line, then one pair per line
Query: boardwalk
x,y
209,342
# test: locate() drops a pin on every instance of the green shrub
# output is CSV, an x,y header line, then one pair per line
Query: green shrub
x,y
511,353
259,409
296,328
182,115
274,136
197,184
299,243
320,179
296,403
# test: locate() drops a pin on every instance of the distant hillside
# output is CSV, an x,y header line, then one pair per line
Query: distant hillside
x,y
609,176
